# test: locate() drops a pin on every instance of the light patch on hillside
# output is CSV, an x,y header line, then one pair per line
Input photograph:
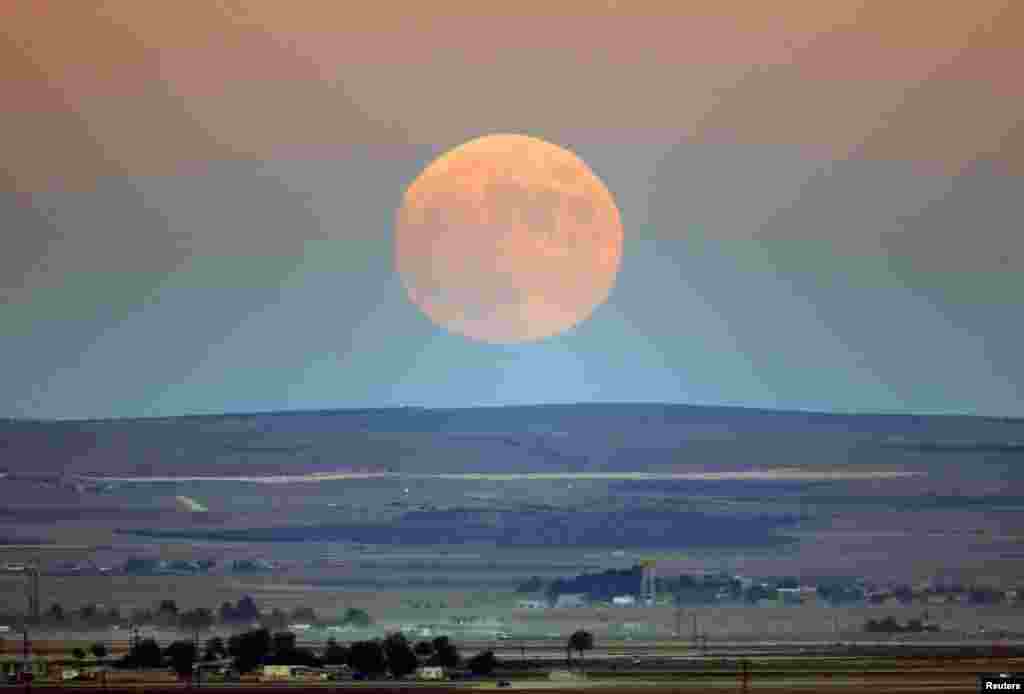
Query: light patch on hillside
x,y
190,504
778,474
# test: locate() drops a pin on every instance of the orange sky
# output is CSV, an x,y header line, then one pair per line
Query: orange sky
x,y
138,87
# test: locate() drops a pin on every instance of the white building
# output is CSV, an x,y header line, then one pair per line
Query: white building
x,y
430,673
532,604
564,676
571,600
624,601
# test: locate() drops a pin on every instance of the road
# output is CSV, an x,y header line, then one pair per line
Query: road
x,y
966,684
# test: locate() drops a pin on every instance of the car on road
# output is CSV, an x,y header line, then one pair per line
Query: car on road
x,y
504,683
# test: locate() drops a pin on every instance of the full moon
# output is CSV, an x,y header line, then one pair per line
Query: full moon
x,y
506,239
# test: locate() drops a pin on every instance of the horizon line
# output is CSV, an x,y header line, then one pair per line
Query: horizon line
x,y
518,406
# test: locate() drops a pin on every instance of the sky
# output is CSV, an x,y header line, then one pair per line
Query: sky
x,y
820,201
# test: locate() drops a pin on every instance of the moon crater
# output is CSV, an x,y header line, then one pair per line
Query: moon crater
x,y
508,238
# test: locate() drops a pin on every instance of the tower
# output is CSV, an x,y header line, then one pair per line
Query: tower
x,y
647,589
32,592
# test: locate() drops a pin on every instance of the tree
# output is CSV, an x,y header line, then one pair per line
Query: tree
x,y
401,659
227,613
483,663
78,654
277,619
246,609
445,653
283,642
356,617
533,585
142,616
580,641
98,650
145,654
304,615
215,649
368,657
167,613
167,607
182,655
249,649
335,654
198,619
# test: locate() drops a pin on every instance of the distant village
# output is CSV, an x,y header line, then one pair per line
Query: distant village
x,y
622,588
613,588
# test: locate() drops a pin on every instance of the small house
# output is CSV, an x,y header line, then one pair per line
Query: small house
x,y
430,673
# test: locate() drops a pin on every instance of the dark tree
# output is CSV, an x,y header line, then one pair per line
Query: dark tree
x,y
424,649
756,593
367,657
304,615
195,620
445,653
182,655
246,609
401,659
145,654
483,663
78,654
215,649
335,654
249,649
533,585
142,616
580,641
283,642
277,619
356,617
227,613
167,607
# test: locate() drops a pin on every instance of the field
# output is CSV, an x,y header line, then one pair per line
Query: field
x,y
456,508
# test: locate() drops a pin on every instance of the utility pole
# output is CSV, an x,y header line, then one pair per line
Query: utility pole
x,y
26,663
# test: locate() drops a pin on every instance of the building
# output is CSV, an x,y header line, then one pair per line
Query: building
x,y
624,601
564,676
276,672
38,666
430,673
532,604
571,600
789,596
